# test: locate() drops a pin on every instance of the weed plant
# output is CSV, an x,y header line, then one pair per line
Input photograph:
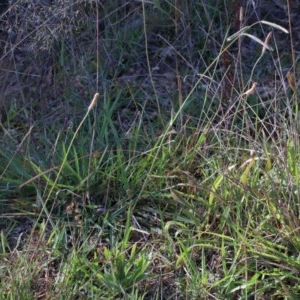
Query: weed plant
x,y
179,179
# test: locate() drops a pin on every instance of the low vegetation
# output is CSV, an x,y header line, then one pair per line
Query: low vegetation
x,y
149,150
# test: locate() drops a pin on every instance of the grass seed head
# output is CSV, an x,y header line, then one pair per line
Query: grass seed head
x,y
94,101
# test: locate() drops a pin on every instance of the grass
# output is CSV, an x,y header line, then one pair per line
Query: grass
x,y
180,182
